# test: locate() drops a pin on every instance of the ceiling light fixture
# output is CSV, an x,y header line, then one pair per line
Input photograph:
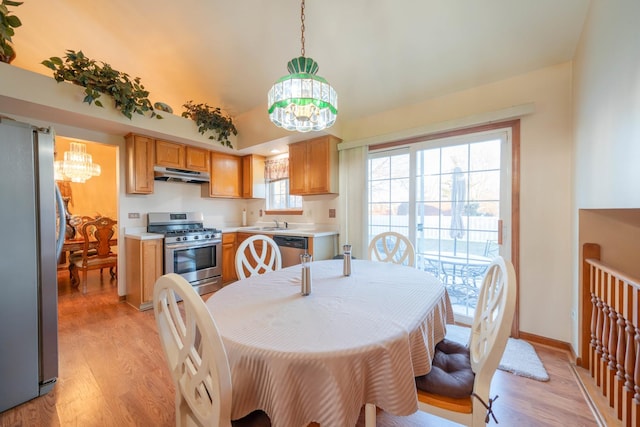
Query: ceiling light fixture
x,y
302,101
77,165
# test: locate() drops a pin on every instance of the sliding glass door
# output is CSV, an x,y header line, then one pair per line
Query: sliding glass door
x,y
451,197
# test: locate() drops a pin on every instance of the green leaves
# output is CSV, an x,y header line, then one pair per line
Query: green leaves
x,y
208,118
99,78
7,24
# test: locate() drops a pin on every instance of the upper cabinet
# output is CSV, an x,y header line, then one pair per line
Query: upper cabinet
x,y
179,156
140,157
197,159
313,166
170,154
226,176
253,185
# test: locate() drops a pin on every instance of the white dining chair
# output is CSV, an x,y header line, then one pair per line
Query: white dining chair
x,y
487,341
392,247
257,255
196,357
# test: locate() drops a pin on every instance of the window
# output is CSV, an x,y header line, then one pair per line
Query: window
x,y
277,177
278,196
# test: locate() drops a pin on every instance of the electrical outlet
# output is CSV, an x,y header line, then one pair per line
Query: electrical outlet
x,y
134,215
332,213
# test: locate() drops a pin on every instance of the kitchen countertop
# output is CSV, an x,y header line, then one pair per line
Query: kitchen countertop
x,y
140,233
307,231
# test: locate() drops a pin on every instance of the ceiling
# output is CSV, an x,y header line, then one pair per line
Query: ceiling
x,y
377,54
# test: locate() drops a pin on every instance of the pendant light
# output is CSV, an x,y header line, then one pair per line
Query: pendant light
x,y
302,101
77,165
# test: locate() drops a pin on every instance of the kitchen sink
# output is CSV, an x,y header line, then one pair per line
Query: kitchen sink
x,y
266,228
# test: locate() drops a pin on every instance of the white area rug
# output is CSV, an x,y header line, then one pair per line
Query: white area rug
x,y
519,356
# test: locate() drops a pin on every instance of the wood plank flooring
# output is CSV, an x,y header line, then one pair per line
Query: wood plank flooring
x,y
113,373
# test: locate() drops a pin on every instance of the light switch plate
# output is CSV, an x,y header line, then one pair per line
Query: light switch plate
x,y
332,213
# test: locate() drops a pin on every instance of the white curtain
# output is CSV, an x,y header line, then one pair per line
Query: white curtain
x,y
353,200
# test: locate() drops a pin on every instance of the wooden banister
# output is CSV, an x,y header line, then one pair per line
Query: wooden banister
x,y
610,333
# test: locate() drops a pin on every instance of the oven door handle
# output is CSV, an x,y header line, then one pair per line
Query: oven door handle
x,y
192,245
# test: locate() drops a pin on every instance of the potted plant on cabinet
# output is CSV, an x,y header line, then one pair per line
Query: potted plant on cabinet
x,y
128,95
208,118
7,23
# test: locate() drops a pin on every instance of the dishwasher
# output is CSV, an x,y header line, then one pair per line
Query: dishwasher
x,y
291,247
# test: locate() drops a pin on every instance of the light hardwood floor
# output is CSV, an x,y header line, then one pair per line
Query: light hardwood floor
x,y
113,373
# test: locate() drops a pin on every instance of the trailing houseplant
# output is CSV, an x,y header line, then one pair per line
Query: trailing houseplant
x,y
98,78
208,118
7,23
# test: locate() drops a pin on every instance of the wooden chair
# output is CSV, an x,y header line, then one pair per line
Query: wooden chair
x,y
101,229
487,341
196,357
392,247
256,255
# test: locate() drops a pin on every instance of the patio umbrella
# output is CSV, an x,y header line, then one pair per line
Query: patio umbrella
x,y
458,195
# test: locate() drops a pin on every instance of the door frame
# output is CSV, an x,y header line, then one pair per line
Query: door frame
x,y
514,126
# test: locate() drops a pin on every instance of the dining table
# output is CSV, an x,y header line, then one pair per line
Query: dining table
x,y
354,340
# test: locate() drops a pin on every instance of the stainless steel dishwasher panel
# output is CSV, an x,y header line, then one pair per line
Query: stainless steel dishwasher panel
x,y
291,247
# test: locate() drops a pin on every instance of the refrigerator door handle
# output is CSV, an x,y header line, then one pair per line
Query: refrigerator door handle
x,y
62,221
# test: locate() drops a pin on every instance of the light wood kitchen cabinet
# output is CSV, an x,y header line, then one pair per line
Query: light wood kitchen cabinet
x,y
313,166
140,155
226,176
170,154
229,247
197,159
144,267
253,185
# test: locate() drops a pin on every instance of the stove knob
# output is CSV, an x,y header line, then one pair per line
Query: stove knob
x,y
196,237
206,236
184,238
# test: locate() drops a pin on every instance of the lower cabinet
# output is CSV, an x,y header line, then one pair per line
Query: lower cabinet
x,y
229,247
144,267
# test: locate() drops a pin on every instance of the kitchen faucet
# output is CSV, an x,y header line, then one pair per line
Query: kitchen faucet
x,y
277,223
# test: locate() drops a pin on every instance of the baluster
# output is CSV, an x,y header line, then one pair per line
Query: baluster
x,y
635,407
620,361
629,375
594,341
611,366
598,355
604,357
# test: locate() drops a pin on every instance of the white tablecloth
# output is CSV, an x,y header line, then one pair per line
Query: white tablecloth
x,y
353,340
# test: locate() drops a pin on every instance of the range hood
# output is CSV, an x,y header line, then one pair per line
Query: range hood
x,y
179,175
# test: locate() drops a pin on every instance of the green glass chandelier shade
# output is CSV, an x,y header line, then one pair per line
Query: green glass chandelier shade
x,y
302,101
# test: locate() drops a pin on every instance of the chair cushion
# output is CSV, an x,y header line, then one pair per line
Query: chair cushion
x,y
451,374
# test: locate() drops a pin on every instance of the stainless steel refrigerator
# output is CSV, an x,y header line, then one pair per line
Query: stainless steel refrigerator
x,y
28,263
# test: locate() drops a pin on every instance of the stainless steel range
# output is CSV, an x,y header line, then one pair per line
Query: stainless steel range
x,y
190,250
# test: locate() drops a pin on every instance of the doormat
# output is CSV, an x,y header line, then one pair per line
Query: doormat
x,y
519,356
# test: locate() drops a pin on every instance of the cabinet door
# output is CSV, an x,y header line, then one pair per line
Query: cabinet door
x,y
226,175
197,159
151,267
140,156
229,257
318,174
297,166
170,154
253,184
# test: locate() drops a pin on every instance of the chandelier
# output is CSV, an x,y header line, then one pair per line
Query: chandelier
x,y
77,165
302,101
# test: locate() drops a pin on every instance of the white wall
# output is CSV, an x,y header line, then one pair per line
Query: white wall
x,y
606,103
607,107
546,180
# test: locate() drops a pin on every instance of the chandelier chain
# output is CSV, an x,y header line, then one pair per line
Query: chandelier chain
x,y
302,27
